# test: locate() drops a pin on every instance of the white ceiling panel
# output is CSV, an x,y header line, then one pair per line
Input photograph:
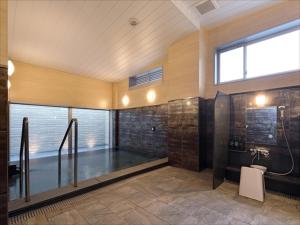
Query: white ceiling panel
x,y
94,38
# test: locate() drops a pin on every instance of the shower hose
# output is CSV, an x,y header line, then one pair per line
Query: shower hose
x,y
290,152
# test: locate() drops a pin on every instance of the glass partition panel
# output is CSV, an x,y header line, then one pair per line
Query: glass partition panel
x,y
47,126
93,128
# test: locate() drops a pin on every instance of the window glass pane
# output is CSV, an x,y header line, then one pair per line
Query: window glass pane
x,y
47,126
231,65
93,128
275,55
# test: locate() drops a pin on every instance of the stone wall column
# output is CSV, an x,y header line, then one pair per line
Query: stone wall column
x,y
3,114
3,145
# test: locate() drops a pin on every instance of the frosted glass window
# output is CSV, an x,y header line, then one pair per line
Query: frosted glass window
x,y
47,126
231,65
271,52
93,128
274,55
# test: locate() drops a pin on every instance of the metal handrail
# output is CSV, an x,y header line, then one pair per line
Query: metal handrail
x,y
24,143
75,151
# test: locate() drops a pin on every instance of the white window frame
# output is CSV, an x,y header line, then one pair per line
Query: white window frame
x,y
262,36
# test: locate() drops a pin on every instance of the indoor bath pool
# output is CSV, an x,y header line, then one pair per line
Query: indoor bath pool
x,y
91,164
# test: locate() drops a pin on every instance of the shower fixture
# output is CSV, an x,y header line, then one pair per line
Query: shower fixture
x,y
282,110
257,151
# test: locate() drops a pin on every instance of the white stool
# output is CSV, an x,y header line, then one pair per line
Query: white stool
x,y
252,183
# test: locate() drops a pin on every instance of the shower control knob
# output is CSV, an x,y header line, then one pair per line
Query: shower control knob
x,y
266,154
253,151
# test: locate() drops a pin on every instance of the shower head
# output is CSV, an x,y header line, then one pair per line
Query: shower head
x,y
282,109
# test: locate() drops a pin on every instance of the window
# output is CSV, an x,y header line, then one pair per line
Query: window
x,y
275,55
232,65
271,52
146,77
93,128
47,127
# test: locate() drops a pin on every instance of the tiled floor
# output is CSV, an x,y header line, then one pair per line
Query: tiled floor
x,y
169,196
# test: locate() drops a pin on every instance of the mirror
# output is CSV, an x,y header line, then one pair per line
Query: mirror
x,y
261,124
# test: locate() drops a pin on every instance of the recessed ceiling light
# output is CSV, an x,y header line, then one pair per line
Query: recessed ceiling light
x,y
133,22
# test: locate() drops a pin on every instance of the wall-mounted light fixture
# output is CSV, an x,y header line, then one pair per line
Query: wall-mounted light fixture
x,y
260,100
151,96
11,68
8,84
125,100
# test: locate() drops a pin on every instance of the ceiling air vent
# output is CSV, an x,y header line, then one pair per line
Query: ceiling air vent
x,y
206,6
146,77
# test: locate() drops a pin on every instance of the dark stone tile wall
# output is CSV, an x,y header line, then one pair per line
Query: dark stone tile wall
x,y
115,128
279,160
175,133
3,144
262,125
144,130
221,137
184,145
209,120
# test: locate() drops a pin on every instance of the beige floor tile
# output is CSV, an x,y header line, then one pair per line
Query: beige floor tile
x,y
182,219
109,219
142,199
139,216
159,208
122,207
107,199
126,191
91,211
171,196
239,222
71,217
